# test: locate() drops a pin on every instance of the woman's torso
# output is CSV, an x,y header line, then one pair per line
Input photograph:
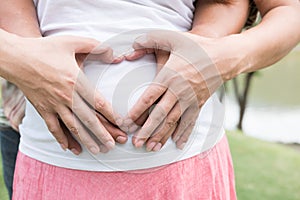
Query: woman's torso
x,y
121,84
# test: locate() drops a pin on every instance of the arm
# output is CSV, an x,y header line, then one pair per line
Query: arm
x,y
212,19
19,17
229,56
274,37
53,96
215,18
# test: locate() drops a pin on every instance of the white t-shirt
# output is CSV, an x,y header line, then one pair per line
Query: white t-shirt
x,y
121,84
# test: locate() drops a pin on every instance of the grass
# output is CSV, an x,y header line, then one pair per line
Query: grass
x,y
3,191
264,171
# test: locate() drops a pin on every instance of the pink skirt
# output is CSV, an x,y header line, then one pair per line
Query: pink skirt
x,y
208,176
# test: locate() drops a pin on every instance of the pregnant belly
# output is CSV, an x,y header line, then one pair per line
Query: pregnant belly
x,y
122,84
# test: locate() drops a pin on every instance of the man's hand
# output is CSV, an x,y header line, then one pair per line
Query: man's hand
x,y
180,88
47,72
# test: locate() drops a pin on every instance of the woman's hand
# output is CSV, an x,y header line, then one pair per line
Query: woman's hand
x,y
45,69
181,87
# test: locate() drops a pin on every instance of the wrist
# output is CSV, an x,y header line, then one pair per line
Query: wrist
x,y
10,55
231,55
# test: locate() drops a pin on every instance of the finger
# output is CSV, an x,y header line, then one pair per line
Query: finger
x,y
136,54
56,130
161,59
74,145
188,120
103,149
103,53
165,130
156,143
118,135
91,47
79,44
91,122
141,120
155,118
134,126
148,98
159,39
93,97
130,126
78,130
185,136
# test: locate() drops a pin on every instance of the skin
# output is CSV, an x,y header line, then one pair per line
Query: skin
x,y
228,56
230,62
208,21
63,90
53,96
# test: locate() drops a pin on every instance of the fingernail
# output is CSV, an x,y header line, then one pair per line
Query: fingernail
x,y
150,146
157,147
121,139
110,145
181,146
103,149
118,59
63,146
139,144
94,150
75,151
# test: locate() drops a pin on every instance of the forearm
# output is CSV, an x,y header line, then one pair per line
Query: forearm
x,y
19,17
277,34
268,42
8,49
213,19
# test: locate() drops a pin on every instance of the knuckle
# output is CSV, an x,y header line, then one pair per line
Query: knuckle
x,y
53,129
89,122
148,101
71,79
100,104
41,108
74,130
184,138
185,124
172,120
171,124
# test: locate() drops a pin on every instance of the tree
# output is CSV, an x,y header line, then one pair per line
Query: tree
x,y
242,94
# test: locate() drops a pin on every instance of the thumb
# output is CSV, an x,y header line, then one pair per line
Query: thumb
x,y
153,41
90,49
159,40
80,44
